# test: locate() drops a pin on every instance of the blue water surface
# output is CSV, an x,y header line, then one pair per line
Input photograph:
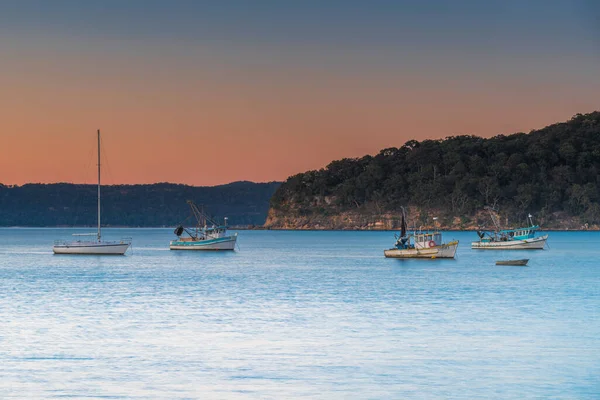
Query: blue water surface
x,y
297,314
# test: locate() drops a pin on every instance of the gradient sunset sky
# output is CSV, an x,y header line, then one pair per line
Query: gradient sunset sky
x,y
209,92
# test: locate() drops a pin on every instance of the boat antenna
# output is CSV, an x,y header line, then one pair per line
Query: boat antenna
x,y
99,235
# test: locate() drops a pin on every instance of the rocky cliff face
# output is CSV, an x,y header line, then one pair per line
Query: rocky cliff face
x,y
346,220
365,220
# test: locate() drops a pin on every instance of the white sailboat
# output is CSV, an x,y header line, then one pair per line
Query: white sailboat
x,y
98,246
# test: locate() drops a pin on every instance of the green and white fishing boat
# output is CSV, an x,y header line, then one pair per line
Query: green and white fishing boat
x,y
206,235
510,239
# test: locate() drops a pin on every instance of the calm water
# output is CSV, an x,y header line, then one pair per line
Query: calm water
x,y
297,314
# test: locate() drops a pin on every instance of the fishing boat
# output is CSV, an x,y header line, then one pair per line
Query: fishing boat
x,y
206,235
510,239
420,244
518,263
98,246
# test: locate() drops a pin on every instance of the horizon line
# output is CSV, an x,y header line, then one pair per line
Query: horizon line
x,y
136,184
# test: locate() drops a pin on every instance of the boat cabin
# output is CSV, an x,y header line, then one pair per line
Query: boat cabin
x,y
215,232
520,233
428,240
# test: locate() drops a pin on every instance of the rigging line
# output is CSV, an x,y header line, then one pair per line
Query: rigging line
x,y
89,157
84,174
182,222
108,178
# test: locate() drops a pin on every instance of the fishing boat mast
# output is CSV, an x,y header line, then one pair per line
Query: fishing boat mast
x,y
199,215
491,211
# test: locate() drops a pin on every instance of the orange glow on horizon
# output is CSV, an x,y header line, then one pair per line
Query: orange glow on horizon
x,y
202,128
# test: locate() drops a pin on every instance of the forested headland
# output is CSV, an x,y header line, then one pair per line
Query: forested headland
x,y
552,173
161,204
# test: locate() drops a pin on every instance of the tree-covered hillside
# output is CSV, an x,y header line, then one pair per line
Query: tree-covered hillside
x,y
552,172
162,204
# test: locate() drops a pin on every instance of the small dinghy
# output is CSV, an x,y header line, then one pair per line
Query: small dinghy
x,y
513,262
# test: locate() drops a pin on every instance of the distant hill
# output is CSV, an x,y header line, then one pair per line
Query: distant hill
x,y
161,204
553,173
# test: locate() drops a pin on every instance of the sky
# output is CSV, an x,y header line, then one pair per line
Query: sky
x,y
210,92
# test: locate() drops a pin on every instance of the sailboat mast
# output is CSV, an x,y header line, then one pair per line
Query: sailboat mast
x,y
98,184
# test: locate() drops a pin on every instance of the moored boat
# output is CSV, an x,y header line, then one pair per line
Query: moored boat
x,y
93,247
203,236
522,262
537,243
510,239
421,245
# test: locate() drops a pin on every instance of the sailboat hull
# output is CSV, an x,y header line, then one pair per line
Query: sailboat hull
x,y
117,249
